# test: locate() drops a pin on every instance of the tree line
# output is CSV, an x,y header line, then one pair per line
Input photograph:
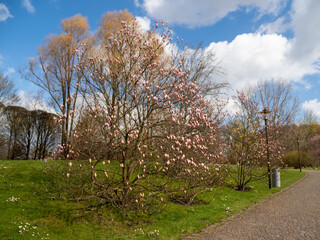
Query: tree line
x,y
27,134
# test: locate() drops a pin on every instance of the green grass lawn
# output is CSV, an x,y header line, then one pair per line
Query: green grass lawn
x,y
313,169
25,214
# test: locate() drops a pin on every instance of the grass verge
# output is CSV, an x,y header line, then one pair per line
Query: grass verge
x,y
27,215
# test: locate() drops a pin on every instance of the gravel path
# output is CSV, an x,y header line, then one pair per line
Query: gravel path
x,y
291,215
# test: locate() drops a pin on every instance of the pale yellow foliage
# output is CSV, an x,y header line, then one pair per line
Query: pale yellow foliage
x,y
76,26
110,23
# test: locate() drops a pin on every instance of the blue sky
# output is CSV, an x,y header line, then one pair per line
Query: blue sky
x,y
254,40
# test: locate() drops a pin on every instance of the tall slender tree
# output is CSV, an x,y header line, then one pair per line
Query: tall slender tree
x,y
7,90
55,72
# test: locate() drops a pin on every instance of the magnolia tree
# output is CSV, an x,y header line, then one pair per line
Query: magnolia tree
x,y
248,149
147,133
315,148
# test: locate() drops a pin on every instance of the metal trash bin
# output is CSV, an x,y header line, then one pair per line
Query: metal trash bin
x,y
276,177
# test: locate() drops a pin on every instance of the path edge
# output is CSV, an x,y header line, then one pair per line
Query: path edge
x,y
226,220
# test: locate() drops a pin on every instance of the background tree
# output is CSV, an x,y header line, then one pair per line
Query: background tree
x,y
15,117
7,90
29,133
306,130
7,96
248,143
293,158
302,131
55,71
279,98
3,133
315,148
110,24
46,133
27,119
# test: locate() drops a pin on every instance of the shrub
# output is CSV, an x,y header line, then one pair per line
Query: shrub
x,y
291,159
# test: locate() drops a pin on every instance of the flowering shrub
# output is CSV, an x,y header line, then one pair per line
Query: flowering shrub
x,y
248,149
315,145
146,133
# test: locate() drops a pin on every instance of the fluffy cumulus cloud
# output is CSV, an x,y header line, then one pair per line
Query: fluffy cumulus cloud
x,y
278,26
253,57
269,55
261,55
4,13
305,24
28,6
313,106
144,23
204,12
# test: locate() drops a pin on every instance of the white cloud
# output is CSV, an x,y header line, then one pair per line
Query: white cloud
x,y
4,13
253,57
33,102
305,24
313,106
137,3
28,5
231,106
278,26
204,12
267,54
144,23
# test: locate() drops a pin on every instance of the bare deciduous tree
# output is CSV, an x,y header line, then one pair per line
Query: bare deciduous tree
x,y
248,148
279,98
7,90
15,119
55,70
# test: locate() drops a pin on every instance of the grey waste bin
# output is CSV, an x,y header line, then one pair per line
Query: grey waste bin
x,y
276,177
